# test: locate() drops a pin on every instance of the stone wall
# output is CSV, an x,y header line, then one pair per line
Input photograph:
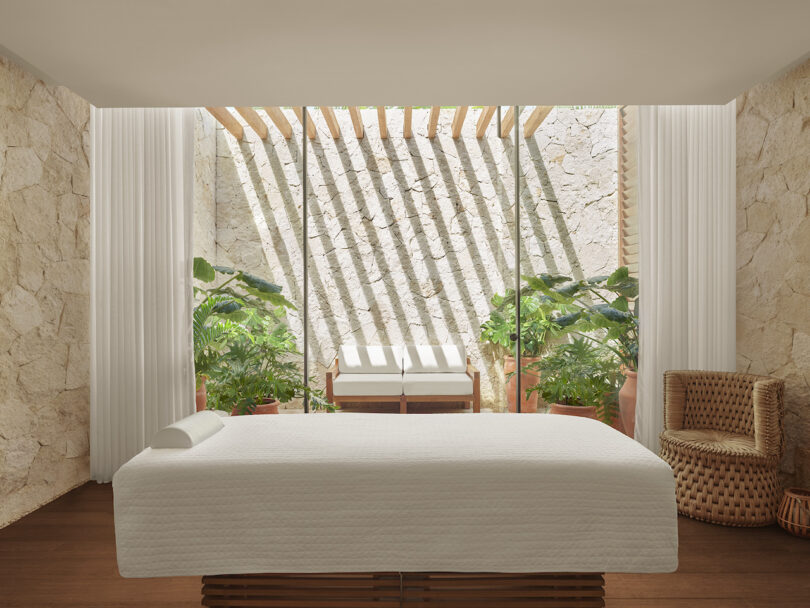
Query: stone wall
x,y
205,171
44,291
773,248
410,238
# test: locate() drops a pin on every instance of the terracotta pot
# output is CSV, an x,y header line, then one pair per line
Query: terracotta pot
x,y
269,406
585,411
627,401
201,397
527,380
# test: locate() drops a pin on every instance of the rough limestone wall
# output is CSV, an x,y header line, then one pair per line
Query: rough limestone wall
x,y
44,291
773,248
410,238
205,171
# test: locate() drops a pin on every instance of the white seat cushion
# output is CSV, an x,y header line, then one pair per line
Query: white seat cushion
x,y
354,359
423,358
438,384
367,385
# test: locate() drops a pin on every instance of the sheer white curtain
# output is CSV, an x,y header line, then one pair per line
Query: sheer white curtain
x,y
142,364
687,228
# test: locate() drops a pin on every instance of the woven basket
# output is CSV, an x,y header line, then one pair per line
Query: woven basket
x,y
794,512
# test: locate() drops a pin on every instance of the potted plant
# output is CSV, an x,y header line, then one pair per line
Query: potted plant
x,y
259,371
604,310
580,379
220,308
536,329
255,374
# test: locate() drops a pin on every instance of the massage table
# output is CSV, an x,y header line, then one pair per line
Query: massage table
x,y
329,510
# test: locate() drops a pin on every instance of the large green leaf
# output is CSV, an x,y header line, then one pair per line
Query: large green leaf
x,y
569,289
267,296
628,289
622,283
620,303
619,275
276,299
227,307
259,283
203,271
569,319
611,314
544,281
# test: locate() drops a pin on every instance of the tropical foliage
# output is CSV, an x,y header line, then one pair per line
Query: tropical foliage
x,y
241,342
536,324
602,309
582,374
211,332
597,318
221,307
258,366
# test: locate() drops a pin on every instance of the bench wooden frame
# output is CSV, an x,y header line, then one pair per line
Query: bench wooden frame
x,y
398,589
474,399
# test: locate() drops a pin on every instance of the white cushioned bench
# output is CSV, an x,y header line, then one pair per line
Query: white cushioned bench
x,y
412,373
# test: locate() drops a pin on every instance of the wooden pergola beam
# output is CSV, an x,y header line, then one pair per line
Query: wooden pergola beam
x,y
458,121
331,121
483,121
276,114
535,120
228,120
357,121
508,121
311,131
433,121
407,131
383,123
254,120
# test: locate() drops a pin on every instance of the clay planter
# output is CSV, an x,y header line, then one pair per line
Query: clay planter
x,y
585,411
627,401
794,512
527,380
201,396
270,406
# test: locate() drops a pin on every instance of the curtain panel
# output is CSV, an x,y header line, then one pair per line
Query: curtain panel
x,y
142,364
687,232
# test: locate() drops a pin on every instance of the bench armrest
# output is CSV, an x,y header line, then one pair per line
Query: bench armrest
x,y
473,373
332,372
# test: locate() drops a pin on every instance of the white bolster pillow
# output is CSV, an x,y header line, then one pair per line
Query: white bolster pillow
x,y
189,431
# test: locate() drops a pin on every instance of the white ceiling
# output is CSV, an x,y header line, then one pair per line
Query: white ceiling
x,y
414,52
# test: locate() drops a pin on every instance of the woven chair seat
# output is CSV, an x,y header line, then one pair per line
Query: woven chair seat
x,y
714,442
724,441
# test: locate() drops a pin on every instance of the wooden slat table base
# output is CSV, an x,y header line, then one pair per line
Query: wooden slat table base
x,y
408,589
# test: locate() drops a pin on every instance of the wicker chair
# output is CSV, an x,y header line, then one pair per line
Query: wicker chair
x,y
724,440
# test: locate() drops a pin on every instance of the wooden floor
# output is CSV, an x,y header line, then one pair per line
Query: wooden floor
x,y
64,555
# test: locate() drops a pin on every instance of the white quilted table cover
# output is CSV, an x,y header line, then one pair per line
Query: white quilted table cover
x,y
386,492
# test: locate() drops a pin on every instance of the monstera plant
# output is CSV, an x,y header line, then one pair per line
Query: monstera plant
x,y
605,305
603,310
